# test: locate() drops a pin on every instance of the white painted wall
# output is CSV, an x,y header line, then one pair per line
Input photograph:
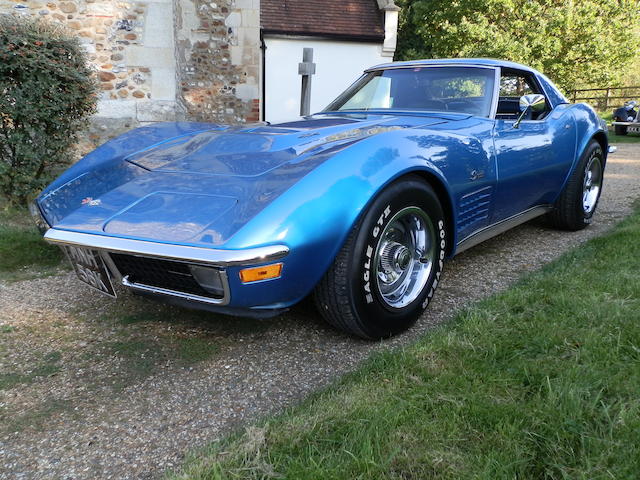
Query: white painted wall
x,y
338,65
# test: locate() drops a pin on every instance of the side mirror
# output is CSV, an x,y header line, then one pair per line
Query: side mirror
x,y
535,103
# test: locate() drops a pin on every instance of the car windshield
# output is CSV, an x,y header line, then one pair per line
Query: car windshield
x,y
443,89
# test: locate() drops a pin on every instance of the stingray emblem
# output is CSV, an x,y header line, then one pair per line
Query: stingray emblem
x,y
91,202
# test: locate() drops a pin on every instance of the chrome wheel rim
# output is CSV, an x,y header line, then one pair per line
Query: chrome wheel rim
x,y
591,185
404,257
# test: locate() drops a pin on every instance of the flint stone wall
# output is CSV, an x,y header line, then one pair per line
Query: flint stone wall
x,y
163,60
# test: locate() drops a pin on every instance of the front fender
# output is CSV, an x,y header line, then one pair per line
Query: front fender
x,y
315,216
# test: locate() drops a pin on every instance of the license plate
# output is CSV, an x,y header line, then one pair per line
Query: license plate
x,y
90,268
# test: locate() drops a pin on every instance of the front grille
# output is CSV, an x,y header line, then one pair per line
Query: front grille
x,y
154,272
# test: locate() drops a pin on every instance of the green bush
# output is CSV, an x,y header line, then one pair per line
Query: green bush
x,y
47,93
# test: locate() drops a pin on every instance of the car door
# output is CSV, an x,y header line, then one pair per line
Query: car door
x,y
532,157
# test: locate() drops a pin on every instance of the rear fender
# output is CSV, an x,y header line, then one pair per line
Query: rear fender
x,y
588,126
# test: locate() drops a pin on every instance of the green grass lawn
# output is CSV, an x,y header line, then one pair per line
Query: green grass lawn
x,y
22,247
539,382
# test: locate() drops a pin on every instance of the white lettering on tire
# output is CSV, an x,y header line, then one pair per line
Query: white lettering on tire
x,y
369,253
443,244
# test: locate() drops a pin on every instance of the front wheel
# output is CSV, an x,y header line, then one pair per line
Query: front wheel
x,y
579,199
386,273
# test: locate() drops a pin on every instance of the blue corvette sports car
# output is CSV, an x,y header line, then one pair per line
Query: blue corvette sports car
x,y
359,204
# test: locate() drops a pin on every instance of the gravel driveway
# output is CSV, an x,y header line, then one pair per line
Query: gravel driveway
x,y
95,388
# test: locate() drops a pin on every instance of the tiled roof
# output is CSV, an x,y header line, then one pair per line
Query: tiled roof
x,y
359,19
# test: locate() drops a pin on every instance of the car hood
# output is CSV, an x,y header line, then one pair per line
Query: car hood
x,y
200,188
255,151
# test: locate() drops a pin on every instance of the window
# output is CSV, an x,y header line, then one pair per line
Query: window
x,y
426,88
513,85
375,94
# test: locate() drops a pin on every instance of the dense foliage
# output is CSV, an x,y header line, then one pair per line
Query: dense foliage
x,y
46,95
575,42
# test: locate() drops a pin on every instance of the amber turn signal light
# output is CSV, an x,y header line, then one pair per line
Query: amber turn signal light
x,y
255,274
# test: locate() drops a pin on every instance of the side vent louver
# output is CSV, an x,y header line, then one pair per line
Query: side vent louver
x,y
474,207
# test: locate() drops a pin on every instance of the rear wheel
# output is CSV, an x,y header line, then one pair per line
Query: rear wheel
x,y
620,129
387,271
579,200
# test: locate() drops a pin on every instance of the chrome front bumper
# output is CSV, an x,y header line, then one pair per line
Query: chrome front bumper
x,y
180,253
210,256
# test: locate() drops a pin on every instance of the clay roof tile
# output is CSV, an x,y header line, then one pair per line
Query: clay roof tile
x,y
358,19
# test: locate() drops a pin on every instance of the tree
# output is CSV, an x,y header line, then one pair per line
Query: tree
x,y
47,93
574,42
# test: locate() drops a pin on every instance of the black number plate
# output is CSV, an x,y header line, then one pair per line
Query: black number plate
x,y
90,268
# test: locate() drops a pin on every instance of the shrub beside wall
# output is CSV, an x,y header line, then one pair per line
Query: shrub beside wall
x,y
47,93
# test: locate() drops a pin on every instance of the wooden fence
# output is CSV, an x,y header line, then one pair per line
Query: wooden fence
x,y
604,98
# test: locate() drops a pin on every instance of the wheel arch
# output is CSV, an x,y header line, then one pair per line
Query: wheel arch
x,y
603,140
583,143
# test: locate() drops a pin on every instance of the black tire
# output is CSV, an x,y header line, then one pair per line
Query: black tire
x,y
570,212
349,296
620,129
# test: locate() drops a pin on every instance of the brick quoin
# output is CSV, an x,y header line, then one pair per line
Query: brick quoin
x,y
254,115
